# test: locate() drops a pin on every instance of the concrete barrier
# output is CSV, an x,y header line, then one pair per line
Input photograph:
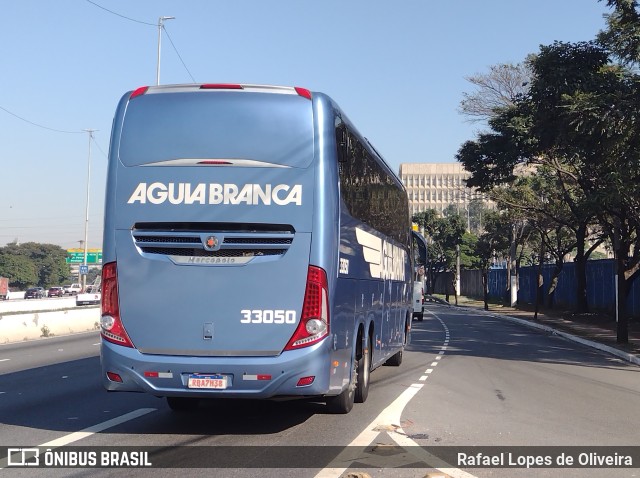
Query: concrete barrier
x,y
21,326
34,305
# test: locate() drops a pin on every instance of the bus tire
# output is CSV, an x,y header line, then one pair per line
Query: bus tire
x,y
343,403
182,404
364,370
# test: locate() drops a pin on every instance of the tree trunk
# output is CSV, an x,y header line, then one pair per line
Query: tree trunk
x,y
582,305
513,282
485,288
540,281
551,293
621,312
621,251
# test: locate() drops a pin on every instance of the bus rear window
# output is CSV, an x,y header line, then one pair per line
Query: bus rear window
x,y
265,127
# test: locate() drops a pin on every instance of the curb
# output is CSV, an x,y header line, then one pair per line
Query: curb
x,y
632,358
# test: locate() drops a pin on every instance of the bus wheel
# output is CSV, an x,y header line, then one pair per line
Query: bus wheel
x,y
182,404
343,403
364,368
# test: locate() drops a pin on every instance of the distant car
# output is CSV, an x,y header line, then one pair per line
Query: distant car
x,y
55,292
35,293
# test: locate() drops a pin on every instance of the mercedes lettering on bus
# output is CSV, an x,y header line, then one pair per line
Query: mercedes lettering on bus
x,y
255,246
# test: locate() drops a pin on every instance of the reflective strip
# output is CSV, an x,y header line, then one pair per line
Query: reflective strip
x,y
256,377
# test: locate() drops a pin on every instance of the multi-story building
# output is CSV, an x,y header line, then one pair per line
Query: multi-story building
x,y
436,186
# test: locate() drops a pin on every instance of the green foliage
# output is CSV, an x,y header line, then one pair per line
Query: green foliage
x,y
20,270
622,36
577,131
32,263
443,234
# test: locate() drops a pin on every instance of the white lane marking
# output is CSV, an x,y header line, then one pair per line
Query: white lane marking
x,y
87,432
440,353
429,370
383,421
438,357
387,421
433,364
399,436
4,360
96,344
423,378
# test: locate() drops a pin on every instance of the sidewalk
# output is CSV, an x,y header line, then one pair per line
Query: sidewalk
x,y
597,330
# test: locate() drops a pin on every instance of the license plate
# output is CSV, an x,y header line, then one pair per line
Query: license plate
x,y
218,382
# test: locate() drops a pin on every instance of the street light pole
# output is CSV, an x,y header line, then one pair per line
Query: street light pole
x,y
161,21
86,216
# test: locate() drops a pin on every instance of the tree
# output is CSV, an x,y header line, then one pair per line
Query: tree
x,y
48,260
495,90
587,113
579,120
622,36
20,270
444,236
492,242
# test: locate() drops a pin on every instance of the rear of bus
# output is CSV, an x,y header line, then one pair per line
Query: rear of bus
x,y
210,285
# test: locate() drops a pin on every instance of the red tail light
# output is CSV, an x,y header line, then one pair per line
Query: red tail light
x,y
314,323
111,326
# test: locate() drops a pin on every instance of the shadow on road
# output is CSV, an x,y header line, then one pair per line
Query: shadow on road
x,y
481,335
69,396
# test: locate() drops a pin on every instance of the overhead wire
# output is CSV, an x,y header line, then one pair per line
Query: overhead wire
x,y
177,53
36,124
121,16
150,24
98,146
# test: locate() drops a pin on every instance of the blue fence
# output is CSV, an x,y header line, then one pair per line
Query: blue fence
x,y
600,286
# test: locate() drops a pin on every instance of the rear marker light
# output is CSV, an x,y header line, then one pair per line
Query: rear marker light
x,y
114,377
256,377
220,86
158,374
138,92
305,381
214,163
303,92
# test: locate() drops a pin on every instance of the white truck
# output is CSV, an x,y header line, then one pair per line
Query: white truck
x,y
420,244
418,300
91,296
72,289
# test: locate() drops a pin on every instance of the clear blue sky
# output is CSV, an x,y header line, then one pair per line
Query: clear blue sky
x,y
397,68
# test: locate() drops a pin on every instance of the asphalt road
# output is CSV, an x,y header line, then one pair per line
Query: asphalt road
x,y
467,380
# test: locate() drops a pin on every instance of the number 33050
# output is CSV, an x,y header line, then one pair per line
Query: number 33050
x,y
268,316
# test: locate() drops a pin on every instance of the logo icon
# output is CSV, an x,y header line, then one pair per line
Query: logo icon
x,y
23,457
211,243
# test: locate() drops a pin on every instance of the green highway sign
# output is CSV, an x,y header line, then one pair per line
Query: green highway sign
x,y
76,256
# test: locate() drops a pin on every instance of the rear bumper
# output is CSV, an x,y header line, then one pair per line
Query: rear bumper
x,y
247,376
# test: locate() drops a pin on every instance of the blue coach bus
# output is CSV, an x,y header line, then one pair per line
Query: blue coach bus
x,y
255,246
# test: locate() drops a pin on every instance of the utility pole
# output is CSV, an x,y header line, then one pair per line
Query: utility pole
x,y
161,21
86,216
